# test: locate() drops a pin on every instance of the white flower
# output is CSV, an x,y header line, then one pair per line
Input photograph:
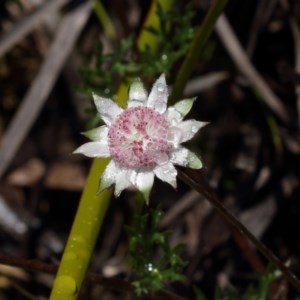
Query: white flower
x,y
143,140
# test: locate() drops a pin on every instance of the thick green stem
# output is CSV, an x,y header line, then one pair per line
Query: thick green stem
x,y
192,57
88,220
93,206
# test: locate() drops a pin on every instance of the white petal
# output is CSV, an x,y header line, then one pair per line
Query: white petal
x,y
122,181
144,182
113,174
180,156
94,149
107,108
175,136
97,134
173,116
177,112
167,173
159,95
109,176
189,129
137,94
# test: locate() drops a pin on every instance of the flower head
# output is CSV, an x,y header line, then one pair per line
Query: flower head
x,y
143,140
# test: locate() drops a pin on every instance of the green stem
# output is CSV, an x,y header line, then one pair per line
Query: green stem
x,y
202,35
88,220
105,20
93,207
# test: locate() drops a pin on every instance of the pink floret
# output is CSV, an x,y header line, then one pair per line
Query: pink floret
x,y
138,138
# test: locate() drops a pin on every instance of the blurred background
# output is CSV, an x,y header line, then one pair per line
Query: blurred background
x,y
53,54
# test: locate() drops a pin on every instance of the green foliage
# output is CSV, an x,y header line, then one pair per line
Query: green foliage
x,y
199,295
261,291
174,40
258,292
146,243
109,68
127,62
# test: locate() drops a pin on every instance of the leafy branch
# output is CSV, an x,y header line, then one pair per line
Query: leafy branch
x,y
145,241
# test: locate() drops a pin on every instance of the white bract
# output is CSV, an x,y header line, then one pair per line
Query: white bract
x,y
143,140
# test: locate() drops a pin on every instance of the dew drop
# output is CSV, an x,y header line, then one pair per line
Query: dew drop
x,y
65,285
160,87
194,129
149,267
165,171
136,94
78,239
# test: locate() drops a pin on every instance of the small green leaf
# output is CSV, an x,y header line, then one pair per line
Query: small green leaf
x,y
96,134
193,161
184,106
146,241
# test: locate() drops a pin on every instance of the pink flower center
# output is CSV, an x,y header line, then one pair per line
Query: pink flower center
x,y
138,138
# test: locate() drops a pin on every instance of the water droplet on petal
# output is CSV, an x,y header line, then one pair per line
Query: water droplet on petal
x,y
165,171
160,87
194,129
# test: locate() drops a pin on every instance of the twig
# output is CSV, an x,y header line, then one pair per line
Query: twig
x,y
202,35
296,35
204,82
27,24
35,265
262,15
197,181
61,47
242,62
179,207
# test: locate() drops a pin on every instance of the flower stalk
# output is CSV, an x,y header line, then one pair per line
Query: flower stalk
x,y
93,206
